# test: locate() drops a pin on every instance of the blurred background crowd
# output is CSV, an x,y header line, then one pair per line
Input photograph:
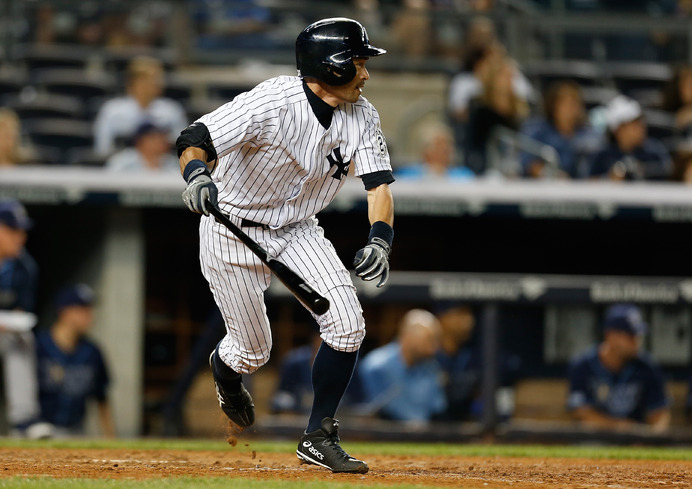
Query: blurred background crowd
x,y
482,89
531,89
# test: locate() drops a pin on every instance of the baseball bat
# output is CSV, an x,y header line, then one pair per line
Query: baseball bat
x,y
294,282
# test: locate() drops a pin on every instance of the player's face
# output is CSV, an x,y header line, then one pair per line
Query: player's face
x,y
80,317
351,91
11,241
627,345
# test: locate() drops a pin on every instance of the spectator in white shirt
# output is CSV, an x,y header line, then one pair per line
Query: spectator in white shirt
x,y
118,118
151,152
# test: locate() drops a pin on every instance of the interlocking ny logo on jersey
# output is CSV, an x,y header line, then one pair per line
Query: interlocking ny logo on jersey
x,y
335,159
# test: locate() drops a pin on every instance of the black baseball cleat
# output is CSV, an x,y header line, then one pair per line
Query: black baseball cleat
x,y
238,406
321,447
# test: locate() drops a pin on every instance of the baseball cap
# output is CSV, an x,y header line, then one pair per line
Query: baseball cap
x,y
145,128
13,214
625,317
620,110
74,295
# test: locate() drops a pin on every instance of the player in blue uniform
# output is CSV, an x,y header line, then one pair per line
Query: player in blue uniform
x,y
71,368
18,278
614,385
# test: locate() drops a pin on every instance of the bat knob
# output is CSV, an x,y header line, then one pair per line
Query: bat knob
x,y
320,306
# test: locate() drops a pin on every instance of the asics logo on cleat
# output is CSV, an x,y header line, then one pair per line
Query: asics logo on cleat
x,y
218,395
313,450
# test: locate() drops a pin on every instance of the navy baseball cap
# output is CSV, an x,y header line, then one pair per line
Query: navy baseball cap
x,y
145,128
625,317
74,295
13,214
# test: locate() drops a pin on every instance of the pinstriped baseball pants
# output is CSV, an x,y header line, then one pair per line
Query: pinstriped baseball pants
x,y
238,279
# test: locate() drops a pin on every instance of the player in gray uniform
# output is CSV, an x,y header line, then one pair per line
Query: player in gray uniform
x,y
271,159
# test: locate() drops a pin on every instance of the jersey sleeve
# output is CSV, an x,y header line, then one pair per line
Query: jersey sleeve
x,y
372,155
232,124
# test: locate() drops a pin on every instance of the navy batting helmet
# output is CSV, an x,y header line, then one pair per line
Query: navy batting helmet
x,y
326,48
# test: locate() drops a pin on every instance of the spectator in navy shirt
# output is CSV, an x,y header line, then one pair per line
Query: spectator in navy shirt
x,y
630,154
564,128
71,369
614,385
460,361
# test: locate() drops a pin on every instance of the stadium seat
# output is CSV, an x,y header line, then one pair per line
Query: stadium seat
x,y
542,73
177,89
75,82
42,56
84,156
61,134
661,124
225,91
632,76
116,60
595,96
45,155
11,82
40,105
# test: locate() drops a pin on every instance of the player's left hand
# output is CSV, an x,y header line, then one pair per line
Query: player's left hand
x,y
373,261
200,193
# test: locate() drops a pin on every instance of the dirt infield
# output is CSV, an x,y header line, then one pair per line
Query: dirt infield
x,y
242,461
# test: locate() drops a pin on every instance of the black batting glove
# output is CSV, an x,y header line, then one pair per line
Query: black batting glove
x,y
200,192
372,261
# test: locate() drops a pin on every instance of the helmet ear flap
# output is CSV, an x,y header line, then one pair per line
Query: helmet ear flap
x,y
339,73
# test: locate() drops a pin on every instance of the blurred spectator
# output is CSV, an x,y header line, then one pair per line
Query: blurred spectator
x,y
614,385
144,24
71,369
629,153
12,152
682,164
438,157
480,5
460,361
498,106
151,152
677,97
402,380
93,23
368,12
411,30
118,118
232,24
563,127
18,279
481,48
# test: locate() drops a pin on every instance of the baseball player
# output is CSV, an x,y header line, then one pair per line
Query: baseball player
x,y
614,385
270,160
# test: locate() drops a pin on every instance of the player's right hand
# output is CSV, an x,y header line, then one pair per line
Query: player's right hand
x,y
373,261
200,193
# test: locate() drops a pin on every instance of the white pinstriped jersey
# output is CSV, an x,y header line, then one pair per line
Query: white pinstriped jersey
x,y
277,164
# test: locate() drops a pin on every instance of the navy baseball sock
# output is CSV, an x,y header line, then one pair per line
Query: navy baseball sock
x,y
331,373
229,378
